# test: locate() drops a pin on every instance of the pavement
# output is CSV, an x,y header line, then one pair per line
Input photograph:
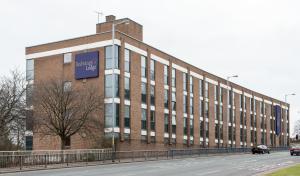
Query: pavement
x,y
231,165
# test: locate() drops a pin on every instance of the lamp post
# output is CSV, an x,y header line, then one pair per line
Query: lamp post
x,y
113,78
285,100
229,112
286,95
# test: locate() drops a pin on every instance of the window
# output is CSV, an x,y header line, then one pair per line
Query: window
x,y
109,86
216,112
206,109
191,105
221,132
143,139
144,119
229,113
152,95
185,104
245,103
230,133
241,118
201,128
191,127
173,124
166,75
68,142
271,139
216,131
29,69
233,133
233,116
152,120
216,93
174,101
241,101
201,88
233,98
127,61
166,123
152,70
127,116
207,129
108,57
191,85
241,135
29,95
67,58
28,142
185,126
109,121
201,108
230,97
221,113
255,137
184,75
206,90
127,88
67,86
143,66
166,99
144,93
173,77
245,137
221,94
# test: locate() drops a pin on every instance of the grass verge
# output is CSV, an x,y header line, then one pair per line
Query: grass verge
x,y
290,171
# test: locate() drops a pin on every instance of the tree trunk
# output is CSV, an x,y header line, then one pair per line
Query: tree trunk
x,y
63,142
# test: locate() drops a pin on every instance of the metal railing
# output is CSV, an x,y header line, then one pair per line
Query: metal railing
x,y
18,161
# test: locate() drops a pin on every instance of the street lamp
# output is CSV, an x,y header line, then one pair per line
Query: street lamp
x,y
229,77
228,96
113,77
286,95
285,100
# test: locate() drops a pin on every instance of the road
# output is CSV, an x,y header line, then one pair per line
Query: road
x,y
243,164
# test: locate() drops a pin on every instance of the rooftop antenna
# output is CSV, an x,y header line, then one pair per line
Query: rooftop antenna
x,y
99,14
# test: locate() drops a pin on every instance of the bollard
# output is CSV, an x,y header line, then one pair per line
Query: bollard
x,y
21,162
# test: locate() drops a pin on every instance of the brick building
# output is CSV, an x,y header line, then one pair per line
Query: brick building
x,y
160,101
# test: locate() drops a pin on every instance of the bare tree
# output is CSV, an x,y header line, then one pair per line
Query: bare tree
x,y
12,107
64,110
297,128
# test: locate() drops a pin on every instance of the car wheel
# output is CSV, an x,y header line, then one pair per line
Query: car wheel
x,y
292,154
268,152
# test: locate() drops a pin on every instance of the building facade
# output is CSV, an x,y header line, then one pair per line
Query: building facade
x,y
160,101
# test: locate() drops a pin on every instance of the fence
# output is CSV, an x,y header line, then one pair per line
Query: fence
x,y
18,161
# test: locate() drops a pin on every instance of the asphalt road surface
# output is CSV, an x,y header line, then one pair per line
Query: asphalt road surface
x,y
244,164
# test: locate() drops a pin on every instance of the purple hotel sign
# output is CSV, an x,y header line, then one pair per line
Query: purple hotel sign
x,y
87,65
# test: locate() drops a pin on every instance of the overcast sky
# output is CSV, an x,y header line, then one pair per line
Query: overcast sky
x,y
257,39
